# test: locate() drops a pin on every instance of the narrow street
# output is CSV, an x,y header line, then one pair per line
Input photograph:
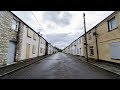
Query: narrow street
x,y
60,66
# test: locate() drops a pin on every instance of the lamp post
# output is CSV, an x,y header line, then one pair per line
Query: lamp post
x,y
85,37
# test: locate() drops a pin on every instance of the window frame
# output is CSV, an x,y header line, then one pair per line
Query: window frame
x,y
28,32
41,40
108,22
80,40
34,36
77,51
91,47
89,35
33,49
16,24
80,51
40,50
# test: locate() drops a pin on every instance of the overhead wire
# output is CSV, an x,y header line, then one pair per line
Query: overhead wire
x,y
39,23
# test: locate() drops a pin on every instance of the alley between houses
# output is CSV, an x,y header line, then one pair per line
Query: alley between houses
x,y
60,66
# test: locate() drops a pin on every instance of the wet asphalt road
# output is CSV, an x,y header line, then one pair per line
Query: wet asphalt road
x,y
60,66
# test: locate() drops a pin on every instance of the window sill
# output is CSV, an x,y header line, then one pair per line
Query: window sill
x,y
92,55
112,29
14,30
115,59
29,36
35,39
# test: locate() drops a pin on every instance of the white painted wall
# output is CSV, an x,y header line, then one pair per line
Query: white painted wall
x,y
49,48
43,46
31,41
79,45
73,49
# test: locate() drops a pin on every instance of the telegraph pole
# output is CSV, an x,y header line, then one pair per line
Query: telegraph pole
x,y
85,36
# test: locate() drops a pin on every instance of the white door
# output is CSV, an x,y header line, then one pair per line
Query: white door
x,y
11,52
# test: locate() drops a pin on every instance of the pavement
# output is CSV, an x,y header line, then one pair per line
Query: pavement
x,y
61,66
106,65
6,69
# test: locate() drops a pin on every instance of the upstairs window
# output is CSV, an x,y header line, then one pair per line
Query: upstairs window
x,y
40,50
34,36
80,51
29,33
112,24
80,40
90,36
41,40
15,25
77,51
33,49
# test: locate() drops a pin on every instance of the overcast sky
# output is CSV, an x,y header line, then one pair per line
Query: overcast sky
x,y
62,27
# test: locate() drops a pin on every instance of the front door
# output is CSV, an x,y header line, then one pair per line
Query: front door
x,y
27,51
11,52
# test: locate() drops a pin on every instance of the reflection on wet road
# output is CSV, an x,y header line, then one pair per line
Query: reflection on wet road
x,y
60,66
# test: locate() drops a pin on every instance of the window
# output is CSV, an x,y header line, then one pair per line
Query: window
x,y
28,32
91,50
112,24
77,51
115,50
80,40
15,25
33,49
34,36
41,40
80,51
90,36
40,50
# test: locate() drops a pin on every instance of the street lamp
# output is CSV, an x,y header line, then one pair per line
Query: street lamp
x,y
85,36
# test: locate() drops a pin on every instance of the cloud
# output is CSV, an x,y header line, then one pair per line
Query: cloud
x,y
58,17
59,39
62,27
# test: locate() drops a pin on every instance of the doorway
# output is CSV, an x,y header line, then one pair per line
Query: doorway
x,y
11,52
27,50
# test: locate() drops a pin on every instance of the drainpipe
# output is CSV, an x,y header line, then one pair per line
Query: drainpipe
x,y
96,43
17,41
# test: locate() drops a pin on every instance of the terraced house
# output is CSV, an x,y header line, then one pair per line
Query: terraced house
x,y
52,49
76,47
79,46
103,40
10,37
30,43
42,46
108,38
18,41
